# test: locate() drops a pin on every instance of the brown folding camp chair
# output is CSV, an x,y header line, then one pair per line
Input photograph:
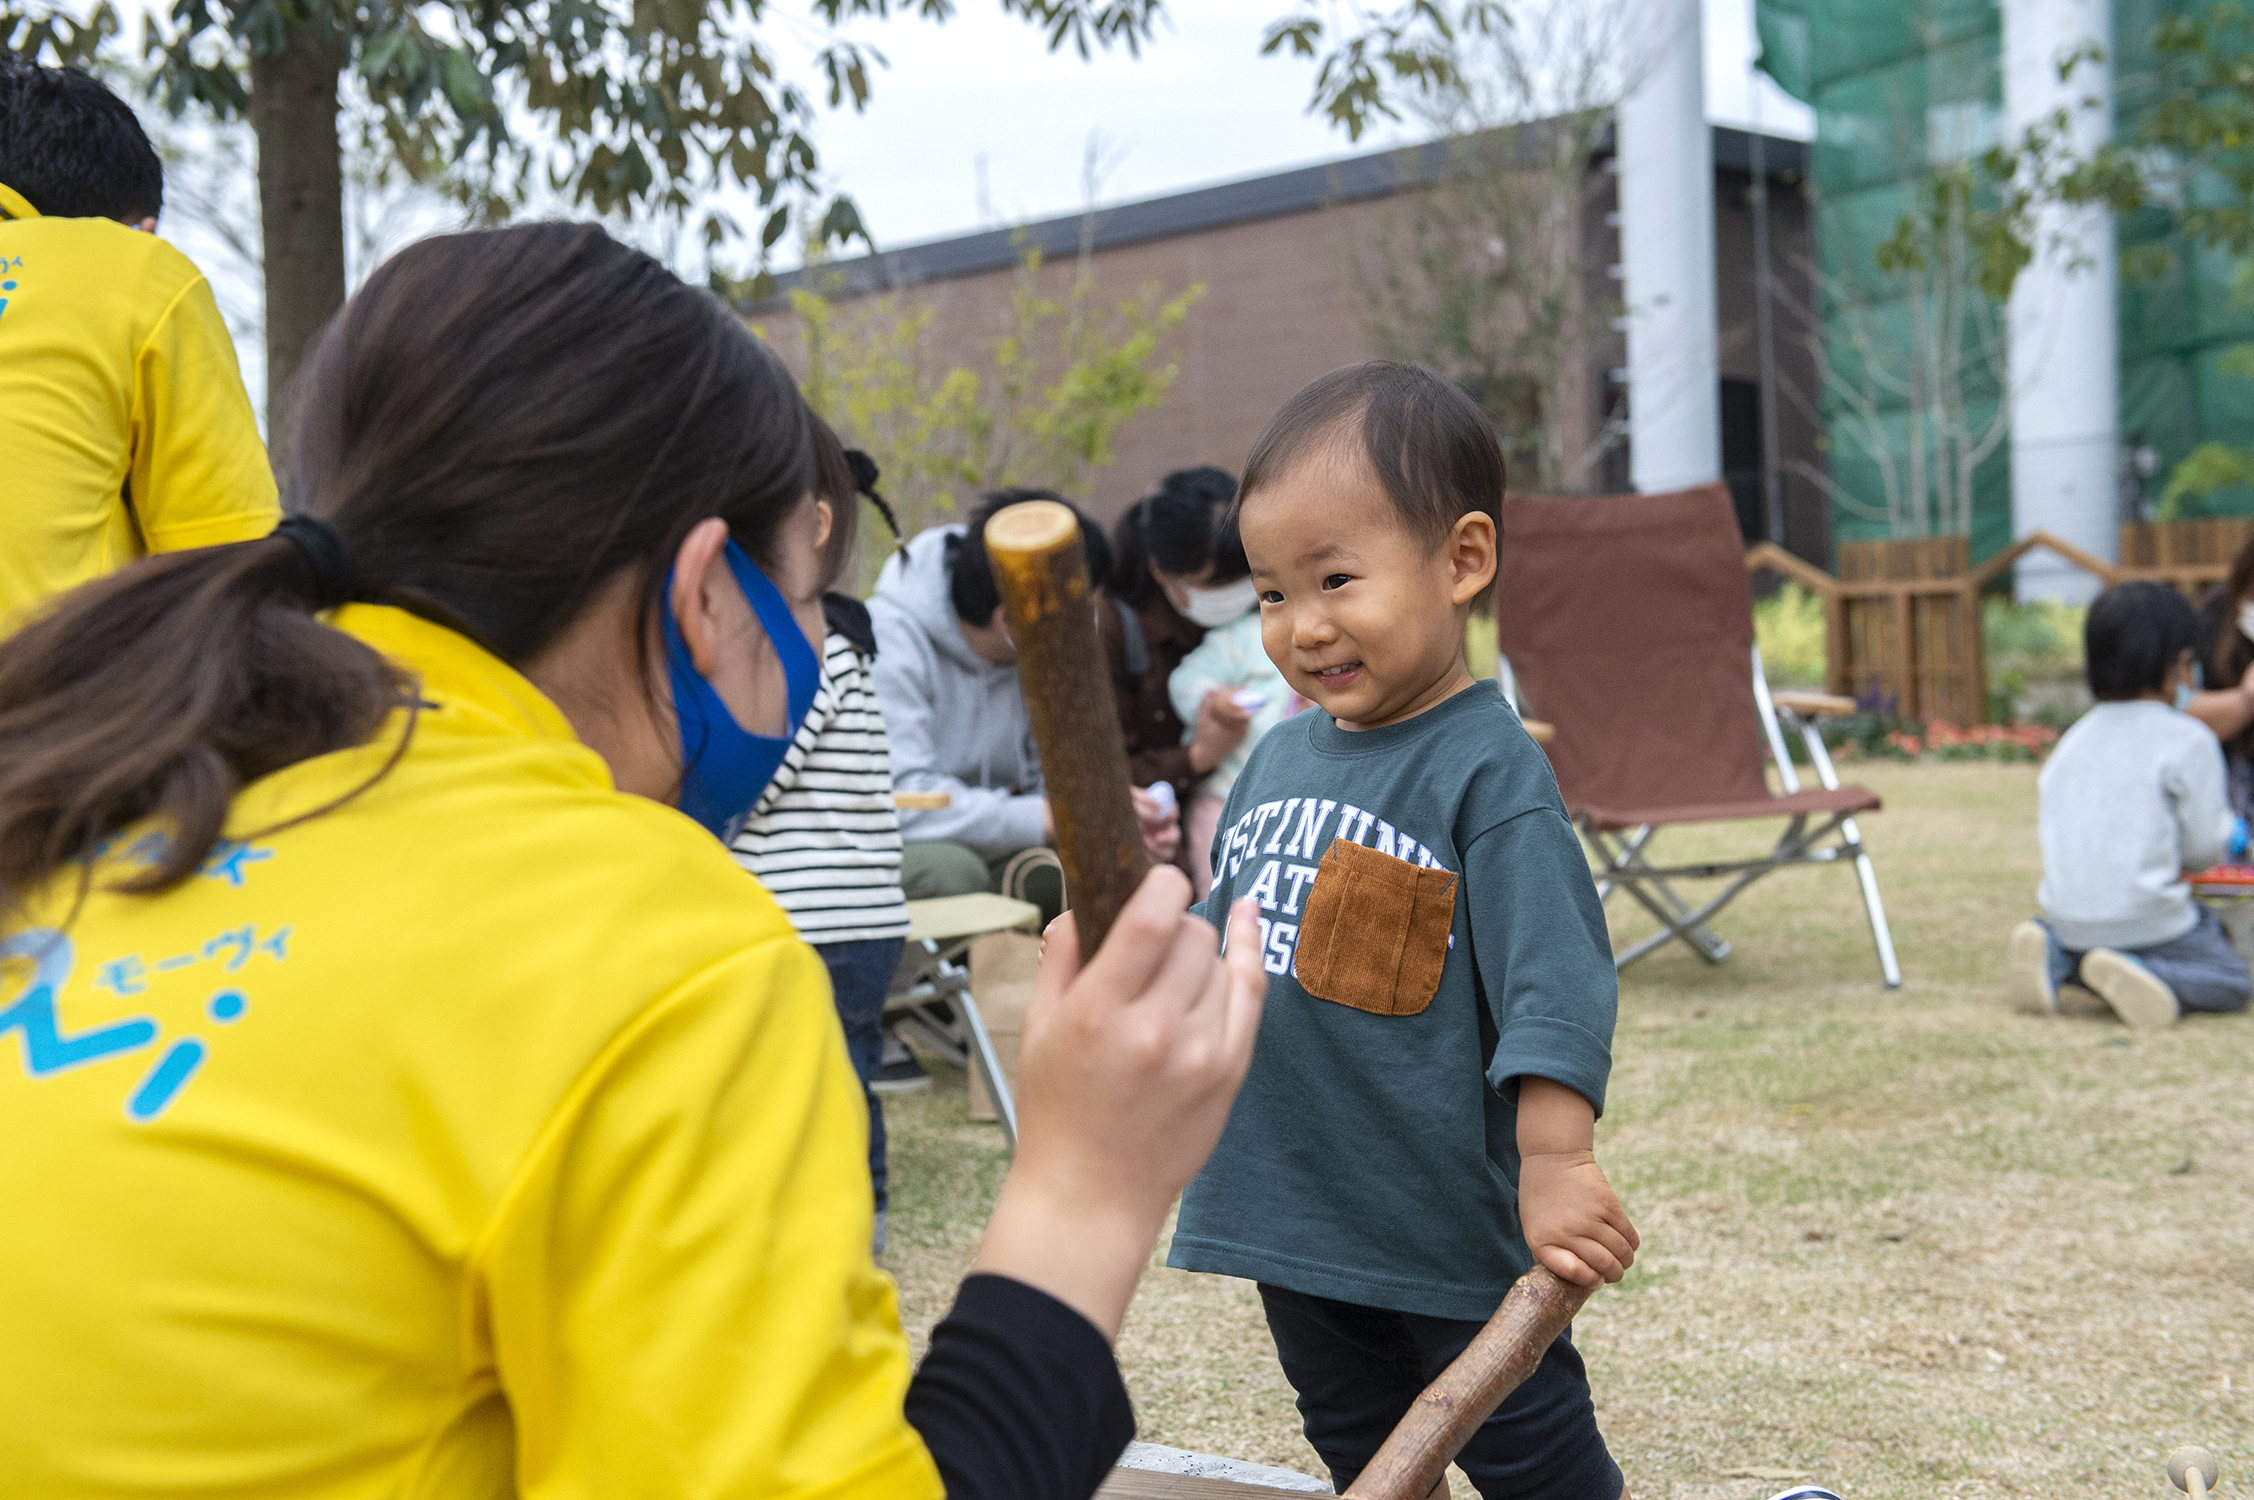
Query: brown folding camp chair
x,y
1627,622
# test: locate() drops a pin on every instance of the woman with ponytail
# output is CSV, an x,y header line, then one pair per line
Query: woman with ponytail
x,y
402,1098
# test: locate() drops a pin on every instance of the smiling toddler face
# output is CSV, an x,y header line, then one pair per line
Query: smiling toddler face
x,y
1356,607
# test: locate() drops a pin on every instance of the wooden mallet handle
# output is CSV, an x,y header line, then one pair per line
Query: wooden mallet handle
x,y
1537,1309
1042,572
2195,1471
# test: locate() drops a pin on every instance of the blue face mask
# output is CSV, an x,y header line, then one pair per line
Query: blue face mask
x,y
2186,691
725,766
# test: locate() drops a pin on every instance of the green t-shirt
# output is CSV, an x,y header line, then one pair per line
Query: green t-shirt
x,y
1373,1158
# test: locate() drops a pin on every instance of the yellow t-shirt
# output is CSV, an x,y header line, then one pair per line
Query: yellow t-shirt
x,y
124,427
488,1136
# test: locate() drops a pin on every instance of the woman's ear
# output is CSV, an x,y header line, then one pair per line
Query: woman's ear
x,y
825,516
1471,556
698,569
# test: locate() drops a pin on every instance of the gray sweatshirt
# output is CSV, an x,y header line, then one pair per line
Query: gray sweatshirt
x,y
957,721
2132,797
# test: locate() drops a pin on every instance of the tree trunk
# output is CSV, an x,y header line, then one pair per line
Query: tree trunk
x,y
293,108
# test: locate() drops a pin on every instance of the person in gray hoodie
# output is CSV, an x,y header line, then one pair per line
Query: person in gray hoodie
x,y
946,680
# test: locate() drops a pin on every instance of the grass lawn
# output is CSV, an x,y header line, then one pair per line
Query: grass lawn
x,y
1904,1244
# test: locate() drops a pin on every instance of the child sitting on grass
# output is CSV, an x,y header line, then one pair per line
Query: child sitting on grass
x,y
2132,798
1417,1129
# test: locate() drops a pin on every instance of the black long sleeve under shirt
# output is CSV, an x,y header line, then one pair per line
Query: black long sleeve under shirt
x,y
1019,1397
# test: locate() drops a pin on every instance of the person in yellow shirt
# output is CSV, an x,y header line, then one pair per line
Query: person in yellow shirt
x,y
402,1098
123,417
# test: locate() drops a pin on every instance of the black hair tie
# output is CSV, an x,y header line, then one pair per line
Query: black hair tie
x,y
865,481
327,558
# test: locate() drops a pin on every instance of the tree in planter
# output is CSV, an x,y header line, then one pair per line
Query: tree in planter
x,y
648,105
1910,372
1039,408
1914,358
1951,389
1920,418
1484,276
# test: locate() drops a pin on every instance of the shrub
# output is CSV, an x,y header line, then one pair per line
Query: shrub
x,y
1789,627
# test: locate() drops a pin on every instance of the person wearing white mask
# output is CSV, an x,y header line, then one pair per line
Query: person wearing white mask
x,y
1163,594
1229,666
2225,701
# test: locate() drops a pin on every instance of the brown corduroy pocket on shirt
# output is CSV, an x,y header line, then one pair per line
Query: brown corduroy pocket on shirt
x,y
1375,936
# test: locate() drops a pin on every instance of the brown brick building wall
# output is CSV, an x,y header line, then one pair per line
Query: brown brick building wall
x,y
1283,304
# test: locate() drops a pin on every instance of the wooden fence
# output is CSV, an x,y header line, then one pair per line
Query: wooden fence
x,y
1902,618
2190,554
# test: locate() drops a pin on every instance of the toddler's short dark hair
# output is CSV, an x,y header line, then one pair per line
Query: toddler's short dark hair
x,y
2134,635
1432,449
73,148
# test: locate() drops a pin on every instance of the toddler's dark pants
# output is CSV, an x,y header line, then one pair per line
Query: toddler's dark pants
x,y
2202,967
1357,1369
860,975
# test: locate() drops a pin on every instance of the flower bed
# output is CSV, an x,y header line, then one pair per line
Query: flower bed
x,y
1940,741
1876,732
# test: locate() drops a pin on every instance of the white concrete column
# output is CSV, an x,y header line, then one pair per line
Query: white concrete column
x,y
1666,163
2065,342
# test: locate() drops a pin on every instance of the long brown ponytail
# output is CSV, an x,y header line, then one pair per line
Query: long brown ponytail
x,y
495,426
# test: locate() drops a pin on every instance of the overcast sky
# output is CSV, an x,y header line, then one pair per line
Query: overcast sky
x,y
1200,106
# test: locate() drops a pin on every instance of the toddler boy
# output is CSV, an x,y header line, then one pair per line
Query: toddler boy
x,y
1417,1129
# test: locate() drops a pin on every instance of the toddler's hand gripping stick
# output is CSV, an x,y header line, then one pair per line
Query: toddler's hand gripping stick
x,y
1537,1309
1051,608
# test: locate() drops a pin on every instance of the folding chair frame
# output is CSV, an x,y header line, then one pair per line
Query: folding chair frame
x,y
1624,865
937,1009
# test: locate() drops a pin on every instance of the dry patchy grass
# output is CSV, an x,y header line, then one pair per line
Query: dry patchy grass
x,y
1907,1244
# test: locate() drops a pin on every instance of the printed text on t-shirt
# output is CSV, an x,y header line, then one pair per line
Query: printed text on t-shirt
x,y
1285,840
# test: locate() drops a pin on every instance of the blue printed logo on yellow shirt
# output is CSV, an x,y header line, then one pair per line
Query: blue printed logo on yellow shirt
x,y
32,1016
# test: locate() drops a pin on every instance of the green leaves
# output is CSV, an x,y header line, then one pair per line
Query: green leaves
x,y
55,39
1414,44
2206,469
2187,157
846,67
1090,24
842,222
649,105
1039,404
1962,212
468,90
640,103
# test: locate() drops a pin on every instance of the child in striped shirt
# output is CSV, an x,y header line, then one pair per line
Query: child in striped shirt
x,y
824,838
